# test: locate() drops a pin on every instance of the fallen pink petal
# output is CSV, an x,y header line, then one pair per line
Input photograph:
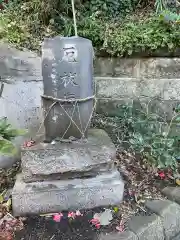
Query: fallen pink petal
x,y
57,217
78,213
71,215
94,221
29,143
161,175
98,225
121,227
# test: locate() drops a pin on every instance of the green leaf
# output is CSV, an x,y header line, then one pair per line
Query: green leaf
x,y
116,209
169,142
2,196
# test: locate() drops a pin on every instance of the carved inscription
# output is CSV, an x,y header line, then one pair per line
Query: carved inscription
x,y
70,53
69,78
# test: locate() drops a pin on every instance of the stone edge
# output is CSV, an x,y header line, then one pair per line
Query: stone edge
x,y
173,194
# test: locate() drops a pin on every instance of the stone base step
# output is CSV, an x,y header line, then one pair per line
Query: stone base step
x,y
55,196
81,158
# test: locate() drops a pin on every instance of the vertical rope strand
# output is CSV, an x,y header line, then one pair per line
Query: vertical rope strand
x,y
74,18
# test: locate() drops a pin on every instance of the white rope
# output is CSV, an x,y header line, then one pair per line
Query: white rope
x,y
82,131
74,18
68,100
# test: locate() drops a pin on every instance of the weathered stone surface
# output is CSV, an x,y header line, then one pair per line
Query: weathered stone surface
x,y
169,213
112,108
67,69
115,88
166,89
118,236
22,70
55,196
21,104
135,67
116,67
147,227
160,68
69,160
173,193
19,65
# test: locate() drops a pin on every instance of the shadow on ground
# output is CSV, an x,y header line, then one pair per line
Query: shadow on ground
x,y
42,228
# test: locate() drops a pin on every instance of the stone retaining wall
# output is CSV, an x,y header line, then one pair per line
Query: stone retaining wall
x,y
20,100
117,81
124,80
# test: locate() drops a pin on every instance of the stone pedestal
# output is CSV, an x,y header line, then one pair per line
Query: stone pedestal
x,y
68,176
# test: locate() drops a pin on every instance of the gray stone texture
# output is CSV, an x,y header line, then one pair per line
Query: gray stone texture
x,y
147,227
169,213
111,107
19,65
118,88
115,88
20,101
69,160
128,235
116,67
67,69
55,196
173,193
167,89
159,68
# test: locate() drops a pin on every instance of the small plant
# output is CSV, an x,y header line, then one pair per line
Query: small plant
x,y
7,134
151,135
160,5
170,17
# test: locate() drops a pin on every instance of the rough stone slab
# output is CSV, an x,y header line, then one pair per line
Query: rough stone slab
x,y
169,213
69,160
115,88
166,89
55,196
19,65
21,104
118,236
160,68
147,227
118,67
153,67
173,193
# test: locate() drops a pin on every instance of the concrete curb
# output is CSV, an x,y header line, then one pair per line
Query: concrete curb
x,y
164,223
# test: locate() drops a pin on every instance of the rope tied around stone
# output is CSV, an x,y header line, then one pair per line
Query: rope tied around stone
x,y
61,101
75,101
71,100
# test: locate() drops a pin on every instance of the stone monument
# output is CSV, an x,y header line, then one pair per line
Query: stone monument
x,y
72,167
